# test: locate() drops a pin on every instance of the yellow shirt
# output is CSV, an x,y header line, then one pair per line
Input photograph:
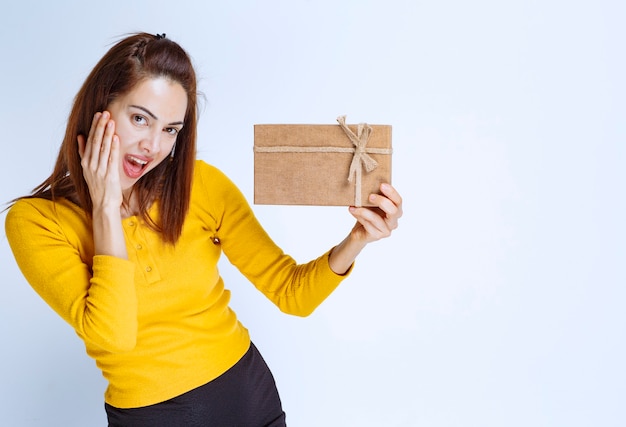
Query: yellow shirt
x,y
159,324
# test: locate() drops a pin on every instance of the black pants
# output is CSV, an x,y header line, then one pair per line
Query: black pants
x,y
244,396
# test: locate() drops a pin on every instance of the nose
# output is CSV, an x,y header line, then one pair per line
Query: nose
x,y
151,143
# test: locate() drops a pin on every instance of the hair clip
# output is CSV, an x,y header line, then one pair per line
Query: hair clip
x,y
160,36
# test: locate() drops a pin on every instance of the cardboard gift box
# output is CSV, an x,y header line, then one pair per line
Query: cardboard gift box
x,y
323,165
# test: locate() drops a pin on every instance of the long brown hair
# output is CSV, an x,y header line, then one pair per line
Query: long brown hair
x,y
131,60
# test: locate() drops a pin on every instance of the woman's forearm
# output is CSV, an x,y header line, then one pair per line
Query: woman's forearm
x,y
343,255
108,234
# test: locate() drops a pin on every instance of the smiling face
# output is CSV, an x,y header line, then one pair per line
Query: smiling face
x,y
147,122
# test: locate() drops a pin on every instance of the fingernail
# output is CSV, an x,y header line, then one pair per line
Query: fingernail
x,y
372,197
384,187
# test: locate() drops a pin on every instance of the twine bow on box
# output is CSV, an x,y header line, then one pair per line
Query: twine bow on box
x,y
361,153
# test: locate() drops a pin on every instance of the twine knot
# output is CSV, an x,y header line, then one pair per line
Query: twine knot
x,y
360,159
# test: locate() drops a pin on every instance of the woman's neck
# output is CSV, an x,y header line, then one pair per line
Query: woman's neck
x,y
130,204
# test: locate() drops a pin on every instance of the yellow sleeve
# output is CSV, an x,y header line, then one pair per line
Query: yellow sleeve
x,y
94,294
295,288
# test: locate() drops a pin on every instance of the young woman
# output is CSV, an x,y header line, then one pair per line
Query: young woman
x,y
123,240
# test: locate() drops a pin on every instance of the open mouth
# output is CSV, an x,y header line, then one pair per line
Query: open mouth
x,y
135,166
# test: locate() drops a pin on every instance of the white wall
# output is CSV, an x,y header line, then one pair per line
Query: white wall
x,y
499,300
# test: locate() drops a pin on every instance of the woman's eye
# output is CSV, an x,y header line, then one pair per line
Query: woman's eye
x,y
140,120
172,131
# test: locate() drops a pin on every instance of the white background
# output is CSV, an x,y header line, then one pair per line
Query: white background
x,y
500,299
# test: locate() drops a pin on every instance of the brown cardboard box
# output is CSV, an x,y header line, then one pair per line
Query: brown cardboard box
x,y
320,164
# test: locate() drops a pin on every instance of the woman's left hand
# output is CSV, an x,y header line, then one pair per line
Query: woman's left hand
x,y
378,221
373,223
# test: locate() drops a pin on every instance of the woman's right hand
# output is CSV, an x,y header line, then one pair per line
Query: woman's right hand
x,y
99,155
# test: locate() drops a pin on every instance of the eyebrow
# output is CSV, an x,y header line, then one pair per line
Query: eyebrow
x,y
151,114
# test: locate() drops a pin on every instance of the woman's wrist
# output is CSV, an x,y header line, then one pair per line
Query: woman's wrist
x,y
344,254
108,234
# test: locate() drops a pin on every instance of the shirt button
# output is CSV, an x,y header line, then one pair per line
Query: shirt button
x,y
139,247
148,269
131,223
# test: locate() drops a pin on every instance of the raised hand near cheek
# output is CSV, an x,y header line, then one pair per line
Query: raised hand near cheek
x,y
99,154
375,223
